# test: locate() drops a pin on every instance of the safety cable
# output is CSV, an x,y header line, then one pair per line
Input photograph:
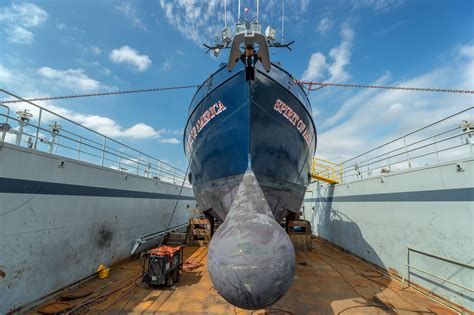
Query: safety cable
x,y
307,84
62,97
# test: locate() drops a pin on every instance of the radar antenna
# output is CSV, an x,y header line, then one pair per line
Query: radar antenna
x,y
248,45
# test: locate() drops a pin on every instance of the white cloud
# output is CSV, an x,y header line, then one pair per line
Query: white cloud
x,y
201,21
377,5
95,64
72,79
371,117
19,19
467,51
130,56
390,28
166,65
354,101
24,14
95,50
319,67
101,124
5,75
111,128
28,85
169,140
176,132
324,25
194,19
304,4
139,130
131,13
316,67
341,56
19,35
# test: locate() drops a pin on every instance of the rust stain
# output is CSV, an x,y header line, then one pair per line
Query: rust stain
x,y
104,237
2,274
393,271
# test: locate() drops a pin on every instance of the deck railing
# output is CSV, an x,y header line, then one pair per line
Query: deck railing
x,y
446,139
39,128
326,171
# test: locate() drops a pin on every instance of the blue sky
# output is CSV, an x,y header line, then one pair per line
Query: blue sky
x,y
68,47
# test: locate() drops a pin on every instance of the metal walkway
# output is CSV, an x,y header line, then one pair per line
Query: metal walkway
x,y
326,171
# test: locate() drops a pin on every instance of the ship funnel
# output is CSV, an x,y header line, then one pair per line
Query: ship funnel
x,y
251,257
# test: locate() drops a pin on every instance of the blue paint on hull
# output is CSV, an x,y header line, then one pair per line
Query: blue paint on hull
x,y
250,133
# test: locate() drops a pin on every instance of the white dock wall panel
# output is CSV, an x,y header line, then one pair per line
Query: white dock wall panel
x,y
53,236
429,209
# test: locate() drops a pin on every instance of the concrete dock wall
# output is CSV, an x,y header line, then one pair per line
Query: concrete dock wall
x,y
429,210
61,218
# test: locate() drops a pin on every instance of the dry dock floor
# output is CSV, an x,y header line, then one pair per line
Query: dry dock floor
x,y
327,281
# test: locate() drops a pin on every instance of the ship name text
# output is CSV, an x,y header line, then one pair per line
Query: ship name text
x,y
292,117
209,114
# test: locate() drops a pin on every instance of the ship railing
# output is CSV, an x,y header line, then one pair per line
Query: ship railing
x,y
7,112
326,171
447,279
445,140
51,132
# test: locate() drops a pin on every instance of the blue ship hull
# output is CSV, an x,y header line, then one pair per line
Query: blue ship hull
x,y
263,125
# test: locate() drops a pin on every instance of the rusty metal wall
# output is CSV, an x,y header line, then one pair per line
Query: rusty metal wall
x,y
428,209
59,221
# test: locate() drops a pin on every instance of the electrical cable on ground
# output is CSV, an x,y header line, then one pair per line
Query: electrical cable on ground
x,y
384,274
177,201
104,295
388,275
382,305
180,191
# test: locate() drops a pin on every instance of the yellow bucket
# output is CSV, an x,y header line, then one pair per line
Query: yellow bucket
x,y
102,272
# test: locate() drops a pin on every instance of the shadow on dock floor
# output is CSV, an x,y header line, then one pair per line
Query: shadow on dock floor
x,y
327,281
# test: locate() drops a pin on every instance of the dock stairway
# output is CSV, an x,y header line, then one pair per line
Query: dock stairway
x,y
326,171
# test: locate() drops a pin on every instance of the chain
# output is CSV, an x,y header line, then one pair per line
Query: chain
x,y
309,86
102,94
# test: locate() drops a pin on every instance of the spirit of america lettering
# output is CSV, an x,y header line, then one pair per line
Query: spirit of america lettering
x,y
209,114
291,115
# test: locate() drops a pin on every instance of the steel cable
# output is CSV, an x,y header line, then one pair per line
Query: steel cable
x,y
49,98
307,84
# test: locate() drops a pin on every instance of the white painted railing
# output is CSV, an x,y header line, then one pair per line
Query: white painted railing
x,y
444,140
70,139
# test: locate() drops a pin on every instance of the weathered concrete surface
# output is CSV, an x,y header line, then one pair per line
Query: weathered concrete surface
x,y
251,257
327,281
